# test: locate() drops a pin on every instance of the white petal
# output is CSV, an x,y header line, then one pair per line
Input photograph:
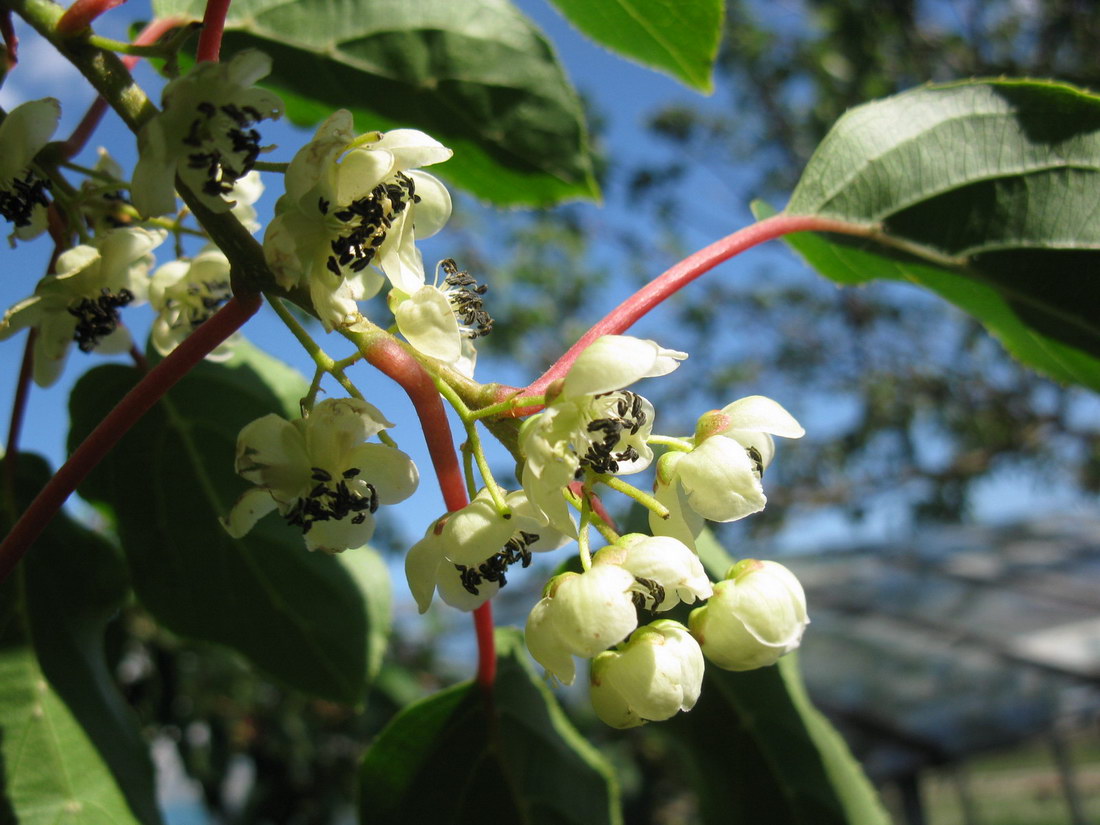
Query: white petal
x,y
594,610
254,504
434,209
422,566
720,482
427,320
393,474
336,536
612,362
759,414
545,646
413,148
26,129
454,593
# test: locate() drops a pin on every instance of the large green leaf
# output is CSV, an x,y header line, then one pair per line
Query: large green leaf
x,y
461,757
75,582
849,263
679,37
58,605
992,184
475,74
305,618
761,752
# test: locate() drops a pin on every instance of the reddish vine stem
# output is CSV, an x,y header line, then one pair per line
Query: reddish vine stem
x,y
81,14
90,122
387,356
213,24
126,413
11,41
680,275
18,408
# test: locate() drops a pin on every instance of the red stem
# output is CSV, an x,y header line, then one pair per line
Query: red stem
x,y
126,413
88,124
388,356
81,14
213,24
11,41
682,274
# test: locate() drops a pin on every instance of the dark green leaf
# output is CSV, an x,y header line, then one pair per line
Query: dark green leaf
x,y
50,771
994,183
475,74
457,758
761,752
848,262
675,36
306,618
74,583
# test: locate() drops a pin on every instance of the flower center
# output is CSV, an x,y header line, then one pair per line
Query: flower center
x,y
465,296
516,549
97,318
606,434
19,198
333,499
364,223
646,593
198,302
227,146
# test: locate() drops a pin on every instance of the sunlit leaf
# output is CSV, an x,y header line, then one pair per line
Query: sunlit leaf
x,y
992,188
679,37
475,74
306,618
456,757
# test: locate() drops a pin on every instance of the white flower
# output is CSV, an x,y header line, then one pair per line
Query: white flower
x,y
205,134
666,571
350,203
757,613
467,554
593,422
654,676
582,614
26,129
320,475
185,293
720,478
80,302
443,322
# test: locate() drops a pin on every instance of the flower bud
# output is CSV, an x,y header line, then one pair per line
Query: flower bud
x,y
657,673
756,615
665,569
582,614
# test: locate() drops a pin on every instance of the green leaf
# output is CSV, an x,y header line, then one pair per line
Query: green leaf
x,y
75,582
849,263
456,757
678,37
305,618
992,186
761,752
50,771
474,74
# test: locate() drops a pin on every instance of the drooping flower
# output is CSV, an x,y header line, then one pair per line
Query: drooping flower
x,y
656,674
593,422
665,570
443,322
185,293
26,129
321,474
352,203
81,301
757,614
466,555
720,478
205,134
